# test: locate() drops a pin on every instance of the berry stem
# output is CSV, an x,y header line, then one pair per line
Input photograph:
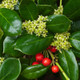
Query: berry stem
x,y
60,2
52,56
66,77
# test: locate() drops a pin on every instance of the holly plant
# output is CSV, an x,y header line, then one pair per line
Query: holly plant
x,y
39,38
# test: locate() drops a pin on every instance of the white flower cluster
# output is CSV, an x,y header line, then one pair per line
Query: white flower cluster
x,y
8,4
1,60
37,27
59,10
61,41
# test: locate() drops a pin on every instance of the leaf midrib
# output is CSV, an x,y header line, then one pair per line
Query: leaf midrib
x,y
5,18
56,24
30,14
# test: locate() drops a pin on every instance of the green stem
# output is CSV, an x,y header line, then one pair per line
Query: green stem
x,y
66,77
60,2
52,56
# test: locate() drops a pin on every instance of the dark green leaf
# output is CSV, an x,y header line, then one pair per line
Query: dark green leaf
x,y
10,69
75,26
58,23
24,62
34,72
45,9
1,33
75,40
69,64
65,1
76,52
10,22
31,44
8,47
48,2
28,10
72,9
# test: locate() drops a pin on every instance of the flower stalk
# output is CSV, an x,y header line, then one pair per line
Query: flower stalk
x,y
62,71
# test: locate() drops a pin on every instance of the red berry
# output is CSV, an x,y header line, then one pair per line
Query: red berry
x,y
35,63
46,61
39,57
49,47
53,49
55,69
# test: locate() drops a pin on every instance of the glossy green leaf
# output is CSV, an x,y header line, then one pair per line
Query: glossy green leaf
x,y
28,10
31,44
10,22
58,23
69,64
75,26
10,69
8,47
76,52
75,40
34,72
72,9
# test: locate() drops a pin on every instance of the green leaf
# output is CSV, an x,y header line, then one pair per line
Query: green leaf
x,y
76,52
28,10
10,69
48,2
8,47
75,40
31,44
45,10
72,9
75,26
34,72
10,22
69,64
46,7
1,33
58,23
64,2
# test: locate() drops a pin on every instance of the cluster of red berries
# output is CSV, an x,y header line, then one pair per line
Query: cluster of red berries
x,y
46,61
52,49
40,59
